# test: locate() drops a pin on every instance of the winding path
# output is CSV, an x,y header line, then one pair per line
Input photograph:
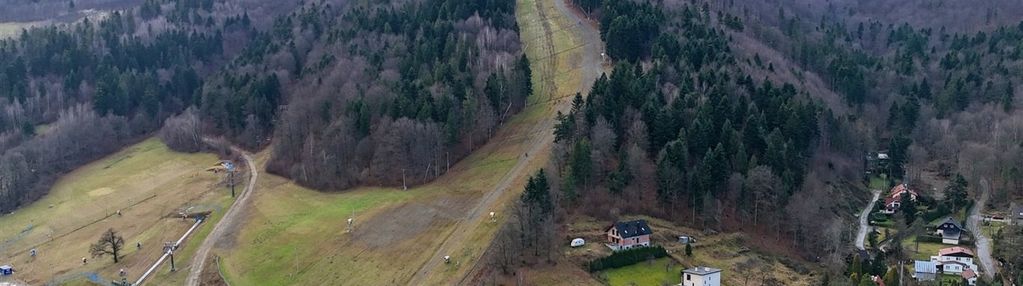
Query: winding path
x,y
983,242
230,218
861,236
541,135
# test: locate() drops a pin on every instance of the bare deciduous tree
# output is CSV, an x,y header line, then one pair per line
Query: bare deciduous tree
x,y
183,132
109,243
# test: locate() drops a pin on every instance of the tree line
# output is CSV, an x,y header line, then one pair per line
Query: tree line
x,y
679,130
372,93
73,93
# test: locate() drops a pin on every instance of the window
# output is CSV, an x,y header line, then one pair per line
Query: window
x,y
689,277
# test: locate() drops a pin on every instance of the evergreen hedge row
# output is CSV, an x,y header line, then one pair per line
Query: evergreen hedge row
x,y
627,257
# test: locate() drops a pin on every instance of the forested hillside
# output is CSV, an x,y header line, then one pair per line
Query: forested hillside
x,y
754,116
941,95
350,93
73,93
373,93
679,130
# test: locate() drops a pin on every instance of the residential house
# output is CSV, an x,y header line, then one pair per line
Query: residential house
x,y
950,231
893,201
955,260
629,234
701,276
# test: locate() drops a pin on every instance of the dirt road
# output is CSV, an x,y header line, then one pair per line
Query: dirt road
x,y
983,242
861,236
542,136
230,218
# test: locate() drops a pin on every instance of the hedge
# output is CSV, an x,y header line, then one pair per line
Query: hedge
x,y
928,239
627,257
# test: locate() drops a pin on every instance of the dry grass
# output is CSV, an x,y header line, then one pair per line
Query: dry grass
x,y
148,182
294,235
727,251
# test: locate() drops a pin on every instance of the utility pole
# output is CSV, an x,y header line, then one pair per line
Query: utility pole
x,y
231,174
169,247
900,272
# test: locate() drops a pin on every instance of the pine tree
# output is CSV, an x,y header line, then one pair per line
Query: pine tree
x,y
689,249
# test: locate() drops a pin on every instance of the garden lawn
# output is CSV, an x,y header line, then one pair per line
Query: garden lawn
x,y
656,272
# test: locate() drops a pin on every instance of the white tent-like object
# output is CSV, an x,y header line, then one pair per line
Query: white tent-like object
x,y
578,242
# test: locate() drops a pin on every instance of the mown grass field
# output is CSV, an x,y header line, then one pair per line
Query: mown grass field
x,y
146,181
663,271
923,250
295,236
879,183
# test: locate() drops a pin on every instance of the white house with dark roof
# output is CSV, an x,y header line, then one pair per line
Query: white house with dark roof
x,y
950,231
629,234
701,276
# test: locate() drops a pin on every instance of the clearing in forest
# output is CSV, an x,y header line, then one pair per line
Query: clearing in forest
x,y
297,236
147,182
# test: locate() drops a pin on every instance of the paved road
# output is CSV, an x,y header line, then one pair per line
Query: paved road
x,y
230,218
861,236
541,135
983,242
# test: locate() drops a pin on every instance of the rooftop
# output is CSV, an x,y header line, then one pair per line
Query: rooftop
x,y
925,266
969,274
955,250
701,270
951,220
632,228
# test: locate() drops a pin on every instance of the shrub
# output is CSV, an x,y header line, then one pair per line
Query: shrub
x,y
928,239
627,257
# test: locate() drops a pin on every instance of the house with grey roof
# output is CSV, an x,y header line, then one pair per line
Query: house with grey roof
x,y
629,234
701,276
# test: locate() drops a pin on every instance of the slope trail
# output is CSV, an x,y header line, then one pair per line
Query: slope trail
x,y
231,218
541,135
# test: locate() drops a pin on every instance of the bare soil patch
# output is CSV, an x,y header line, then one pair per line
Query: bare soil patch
x,y
409,220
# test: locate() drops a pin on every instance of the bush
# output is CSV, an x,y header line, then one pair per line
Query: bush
x,y
627,257
938,212
878,217
928,239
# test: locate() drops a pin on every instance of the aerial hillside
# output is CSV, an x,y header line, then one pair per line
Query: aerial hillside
x,y
920,86
381,93
128,71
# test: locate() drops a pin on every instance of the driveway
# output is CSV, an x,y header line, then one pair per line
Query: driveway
x,y
983,242
865,228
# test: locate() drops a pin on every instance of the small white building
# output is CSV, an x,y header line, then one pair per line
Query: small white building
x,y
701,276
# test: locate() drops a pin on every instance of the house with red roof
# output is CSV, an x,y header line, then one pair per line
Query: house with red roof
x,y
893,200
955,260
